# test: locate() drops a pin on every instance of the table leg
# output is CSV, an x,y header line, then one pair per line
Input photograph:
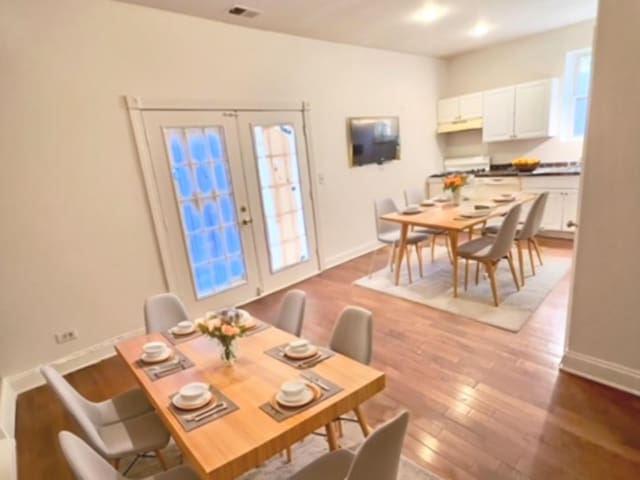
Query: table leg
x,y
404,231
331,437
453,243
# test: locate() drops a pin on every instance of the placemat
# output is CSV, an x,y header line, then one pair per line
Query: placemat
x,y
183,415
178,339
260,328
278,353
328,389
159,370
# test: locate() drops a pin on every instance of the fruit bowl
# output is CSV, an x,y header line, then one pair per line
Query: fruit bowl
x,y
525,164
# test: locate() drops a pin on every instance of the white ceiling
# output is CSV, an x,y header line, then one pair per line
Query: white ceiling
x,y
388,24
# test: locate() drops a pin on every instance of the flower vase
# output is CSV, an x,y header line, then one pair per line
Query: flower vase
x,y
456,196
229,353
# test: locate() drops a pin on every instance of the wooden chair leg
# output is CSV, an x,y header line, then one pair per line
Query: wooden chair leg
x,y
477,273
520,261
289,455
433,249
466,273
392,261
332,439
419,255
161,459
536,245
448,245
492,278
533,267
513,270
406,254
366,429
116,463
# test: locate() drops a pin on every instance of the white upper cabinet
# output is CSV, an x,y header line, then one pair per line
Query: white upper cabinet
x,y
519,112
455,109
498,111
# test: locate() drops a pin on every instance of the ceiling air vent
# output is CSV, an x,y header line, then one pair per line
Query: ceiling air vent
x,y
240,11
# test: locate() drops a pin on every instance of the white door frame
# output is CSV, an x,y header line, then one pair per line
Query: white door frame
x,y
137,105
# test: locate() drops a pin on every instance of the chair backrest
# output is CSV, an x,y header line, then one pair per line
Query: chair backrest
x,y
84,412
533,221
382,206
414,196
379,456
353,334
506,234
291,315
85,463
163,311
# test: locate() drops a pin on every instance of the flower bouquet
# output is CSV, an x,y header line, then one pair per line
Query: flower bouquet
x,y
225,327
454,183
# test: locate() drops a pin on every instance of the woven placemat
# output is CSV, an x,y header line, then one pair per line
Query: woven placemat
x,y
184,415
159,370
327,389
178,339
262,326
278,353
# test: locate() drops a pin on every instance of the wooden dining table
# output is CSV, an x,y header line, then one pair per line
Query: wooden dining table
x,y
233,444
448,217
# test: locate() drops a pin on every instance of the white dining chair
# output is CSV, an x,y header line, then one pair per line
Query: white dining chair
x,y
110,432
378,458
415,196
86,464
163,311
291,316
389,234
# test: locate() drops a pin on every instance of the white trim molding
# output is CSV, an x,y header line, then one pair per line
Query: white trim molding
x,y
140,103
347,255
601,371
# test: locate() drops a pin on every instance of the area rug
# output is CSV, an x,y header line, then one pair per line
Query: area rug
x,y
435,289
276,468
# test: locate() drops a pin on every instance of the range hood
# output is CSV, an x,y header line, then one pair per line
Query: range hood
x,y
460,125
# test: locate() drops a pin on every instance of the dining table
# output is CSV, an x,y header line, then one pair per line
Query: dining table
x,y
239,441
451,218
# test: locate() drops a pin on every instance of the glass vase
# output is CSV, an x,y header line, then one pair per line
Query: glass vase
x,y
456,196
229,353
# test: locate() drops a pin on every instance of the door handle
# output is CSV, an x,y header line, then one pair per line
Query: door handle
x,y
247,221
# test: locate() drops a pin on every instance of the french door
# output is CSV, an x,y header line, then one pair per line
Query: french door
x,y
233,188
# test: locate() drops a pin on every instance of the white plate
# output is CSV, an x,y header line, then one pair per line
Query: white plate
x,y
412,211
160,358
308,353
503,199
305,397
177,331
475,213
184,405
428,203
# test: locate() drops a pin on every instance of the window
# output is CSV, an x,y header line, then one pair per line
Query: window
x,y
577,87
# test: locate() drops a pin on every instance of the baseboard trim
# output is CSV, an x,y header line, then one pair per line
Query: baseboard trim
x,y
343,257
601,371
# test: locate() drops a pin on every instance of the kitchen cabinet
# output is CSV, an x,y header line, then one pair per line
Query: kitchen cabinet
x,y
527,110
455,109
562,203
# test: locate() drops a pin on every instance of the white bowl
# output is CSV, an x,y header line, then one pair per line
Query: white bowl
x,y
299,346
192,392
154,349
184,326
292,390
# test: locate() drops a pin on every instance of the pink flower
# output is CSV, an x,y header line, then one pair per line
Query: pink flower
x,y
230,330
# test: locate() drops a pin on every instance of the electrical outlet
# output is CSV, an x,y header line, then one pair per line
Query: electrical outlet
x,y
64,337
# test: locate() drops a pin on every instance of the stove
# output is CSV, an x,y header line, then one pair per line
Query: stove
x,y
469,165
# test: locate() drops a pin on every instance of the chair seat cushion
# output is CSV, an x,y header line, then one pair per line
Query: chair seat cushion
x,y
430,231
136,435
124,406
476,248
412,237
182,472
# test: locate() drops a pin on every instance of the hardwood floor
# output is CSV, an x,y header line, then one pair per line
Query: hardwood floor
x,y
485,403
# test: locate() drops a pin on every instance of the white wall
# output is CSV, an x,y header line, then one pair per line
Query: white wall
x,y
78,243
604,328
530,58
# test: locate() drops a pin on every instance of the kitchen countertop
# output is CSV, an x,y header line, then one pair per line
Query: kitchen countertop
x,y
538,172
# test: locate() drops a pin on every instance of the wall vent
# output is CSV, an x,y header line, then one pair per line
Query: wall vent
x,y
241,11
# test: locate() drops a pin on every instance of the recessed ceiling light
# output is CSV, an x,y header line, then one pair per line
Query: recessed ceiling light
x,y
480,29
430,13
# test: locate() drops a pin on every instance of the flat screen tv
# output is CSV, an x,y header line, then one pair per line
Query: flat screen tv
x,y
373,140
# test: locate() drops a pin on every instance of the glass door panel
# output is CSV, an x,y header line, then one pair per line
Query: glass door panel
x,y
200,182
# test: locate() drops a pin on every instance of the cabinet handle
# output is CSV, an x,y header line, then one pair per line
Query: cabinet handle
x,y
572,224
